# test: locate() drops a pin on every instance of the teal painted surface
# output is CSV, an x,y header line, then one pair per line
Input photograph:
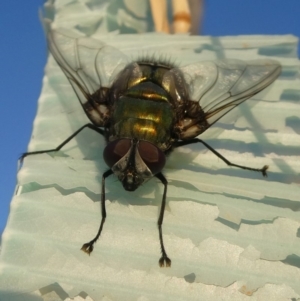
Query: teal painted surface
x,y
229,233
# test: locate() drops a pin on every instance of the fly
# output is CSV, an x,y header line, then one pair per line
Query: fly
x,y
145,109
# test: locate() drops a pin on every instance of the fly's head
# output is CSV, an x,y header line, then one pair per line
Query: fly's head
x,y
133,161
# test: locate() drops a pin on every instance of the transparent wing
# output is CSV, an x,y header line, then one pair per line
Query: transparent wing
x,y
90,66
222,85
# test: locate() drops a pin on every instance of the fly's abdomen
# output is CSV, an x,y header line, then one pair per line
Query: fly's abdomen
x,y
143,119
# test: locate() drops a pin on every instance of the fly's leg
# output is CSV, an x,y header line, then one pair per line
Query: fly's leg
x,y
88,247
263,170
88,125
164,260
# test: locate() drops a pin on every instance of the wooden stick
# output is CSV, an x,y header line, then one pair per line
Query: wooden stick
x,y
181,16
160,17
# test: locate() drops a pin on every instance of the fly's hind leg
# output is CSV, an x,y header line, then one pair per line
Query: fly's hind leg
x,y
88,125
263,170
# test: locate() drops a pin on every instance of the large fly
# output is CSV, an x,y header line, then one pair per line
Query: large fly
x,y
146,108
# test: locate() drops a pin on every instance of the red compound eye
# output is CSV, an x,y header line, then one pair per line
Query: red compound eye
x,y
116,150
153,157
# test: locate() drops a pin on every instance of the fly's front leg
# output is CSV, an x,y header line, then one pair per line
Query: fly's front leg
x,y
88,125
89,246
263,170
164,260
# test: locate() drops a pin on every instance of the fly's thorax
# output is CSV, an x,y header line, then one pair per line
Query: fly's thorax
x,y
147,101
163,75
133,161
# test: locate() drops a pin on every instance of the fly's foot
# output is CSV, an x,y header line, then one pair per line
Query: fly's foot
x,y
88,247
164,261
264,170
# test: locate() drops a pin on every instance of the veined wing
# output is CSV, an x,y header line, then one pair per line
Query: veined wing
x,y
222,85
90,67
